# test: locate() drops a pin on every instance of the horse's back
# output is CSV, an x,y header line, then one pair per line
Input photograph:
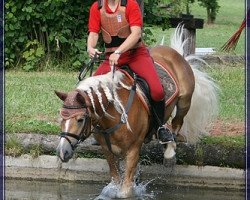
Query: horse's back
x,y
177,65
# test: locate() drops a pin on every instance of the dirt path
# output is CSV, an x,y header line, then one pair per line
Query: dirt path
x,y
225,128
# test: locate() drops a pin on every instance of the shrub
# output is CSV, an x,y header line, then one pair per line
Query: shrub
x,y
38,30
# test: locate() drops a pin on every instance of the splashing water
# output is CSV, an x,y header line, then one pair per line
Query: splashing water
x,y
112,191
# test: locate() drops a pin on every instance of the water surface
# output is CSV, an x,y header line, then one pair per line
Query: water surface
x,y
46,190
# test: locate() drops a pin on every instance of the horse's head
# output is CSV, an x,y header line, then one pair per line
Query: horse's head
x,y
75,123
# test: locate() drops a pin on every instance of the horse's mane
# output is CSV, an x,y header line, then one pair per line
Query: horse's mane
x,y
107,85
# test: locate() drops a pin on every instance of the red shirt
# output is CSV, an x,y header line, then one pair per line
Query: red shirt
x,y
133,15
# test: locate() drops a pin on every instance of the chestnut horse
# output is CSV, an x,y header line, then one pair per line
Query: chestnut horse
x,y
108,107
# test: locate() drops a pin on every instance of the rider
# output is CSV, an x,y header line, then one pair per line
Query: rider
x,y
120,22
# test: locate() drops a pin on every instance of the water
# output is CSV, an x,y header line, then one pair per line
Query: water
x,y
45,190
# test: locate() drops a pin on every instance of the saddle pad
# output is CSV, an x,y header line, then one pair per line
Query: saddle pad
x,y
168,82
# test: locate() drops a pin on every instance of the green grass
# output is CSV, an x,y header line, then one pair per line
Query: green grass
x,y
226,141
231,80
228,20
32,106
13,147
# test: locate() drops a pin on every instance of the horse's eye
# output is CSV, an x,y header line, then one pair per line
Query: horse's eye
x,y
80,120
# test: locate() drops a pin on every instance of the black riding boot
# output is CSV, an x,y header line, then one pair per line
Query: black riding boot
x,y
164,135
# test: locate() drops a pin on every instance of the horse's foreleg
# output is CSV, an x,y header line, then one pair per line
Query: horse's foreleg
x,y
113,163
132,158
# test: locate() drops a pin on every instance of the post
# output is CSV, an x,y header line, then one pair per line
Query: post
x,y
190,35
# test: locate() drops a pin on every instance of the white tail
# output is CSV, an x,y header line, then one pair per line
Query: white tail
x,y
204,104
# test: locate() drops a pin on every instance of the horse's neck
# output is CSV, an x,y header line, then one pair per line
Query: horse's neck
x,y
106,93
109,107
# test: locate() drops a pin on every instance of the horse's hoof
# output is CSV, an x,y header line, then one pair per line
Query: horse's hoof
x,y
125,193
170,150
170,163
181,138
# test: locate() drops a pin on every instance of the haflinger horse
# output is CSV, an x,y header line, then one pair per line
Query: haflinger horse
x,y
108,106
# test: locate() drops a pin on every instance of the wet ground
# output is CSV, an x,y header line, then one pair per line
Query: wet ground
x,y
46,190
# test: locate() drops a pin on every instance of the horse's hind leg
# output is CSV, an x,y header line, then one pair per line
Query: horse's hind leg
x,y
182,107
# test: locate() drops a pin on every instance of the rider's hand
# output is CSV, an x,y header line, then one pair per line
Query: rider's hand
x,y
113,59
92,51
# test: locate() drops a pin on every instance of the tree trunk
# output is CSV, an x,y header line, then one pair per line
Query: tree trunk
x,y
209,17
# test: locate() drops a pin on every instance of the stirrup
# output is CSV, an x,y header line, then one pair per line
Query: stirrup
x,y
169,138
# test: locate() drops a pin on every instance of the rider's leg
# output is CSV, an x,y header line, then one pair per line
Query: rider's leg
x,y
164,134
143,65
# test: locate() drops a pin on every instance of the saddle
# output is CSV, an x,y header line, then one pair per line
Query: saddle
x,y
168,82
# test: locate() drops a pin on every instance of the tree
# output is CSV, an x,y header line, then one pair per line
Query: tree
x,y
212,7
187,2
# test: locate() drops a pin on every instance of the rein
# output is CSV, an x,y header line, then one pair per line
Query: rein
x,y
106,133
89,67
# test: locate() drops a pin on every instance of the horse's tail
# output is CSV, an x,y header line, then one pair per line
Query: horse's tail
x,y
204,104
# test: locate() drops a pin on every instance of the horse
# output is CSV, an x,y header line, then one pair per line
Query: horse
x,y
110,107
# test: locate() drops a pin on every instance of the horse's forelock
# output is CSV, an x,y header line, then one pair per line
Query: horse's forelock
x,y
73,99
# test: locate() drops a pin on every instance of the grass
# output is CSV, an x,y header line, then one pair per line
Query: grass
x,y
31,105
228,20
13,147
226,141
231,81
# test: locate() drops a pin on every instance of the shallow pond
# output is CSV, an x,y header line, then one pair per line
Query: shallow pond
x,y
46,190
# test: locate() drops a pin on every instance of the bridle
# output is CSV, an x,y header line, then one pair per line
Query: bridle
x,y
85,132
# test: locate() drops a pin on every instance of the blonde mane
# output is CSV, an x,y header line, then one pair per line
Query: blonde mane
x,y
109,84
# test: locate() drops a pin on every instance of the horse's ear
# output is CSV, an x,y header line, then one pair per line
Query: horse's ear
x,y
61,95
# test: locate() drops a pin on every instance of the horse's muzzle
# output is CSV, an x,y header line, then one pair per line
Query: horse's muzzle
x,y
64,151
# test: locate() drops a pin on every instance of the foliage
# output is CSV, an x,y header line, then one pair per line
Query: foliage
x,y
153,15
212,7
40,30
187,3
177,7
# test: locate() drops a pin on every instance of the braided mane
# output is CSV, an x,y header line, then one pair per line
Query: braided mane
x,y
109,85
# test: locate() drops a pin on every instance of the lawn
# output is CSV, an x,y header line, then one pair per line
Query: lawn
x,y
32,106
229,18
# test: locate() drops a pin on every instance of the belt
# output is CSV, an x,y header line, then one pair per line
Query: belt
x,y
112,49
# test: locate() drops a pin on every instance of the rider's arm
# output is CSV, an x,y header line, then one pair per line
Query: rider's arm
x,y
91,43
131,40
94,28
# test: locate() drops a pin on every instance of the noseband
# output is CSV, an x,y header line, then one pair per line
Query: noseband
x,y
82,136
